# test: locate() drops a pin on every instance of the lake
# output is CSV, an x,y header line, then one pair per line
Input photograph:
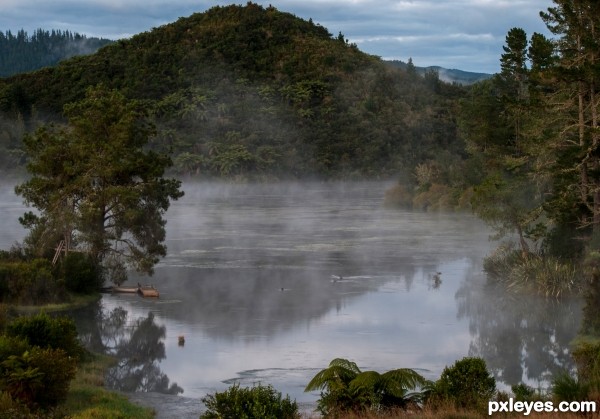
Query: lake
x,y
269,283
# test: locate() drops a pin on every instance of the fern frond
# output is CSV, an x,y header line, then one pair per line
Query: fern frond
x,y
339,374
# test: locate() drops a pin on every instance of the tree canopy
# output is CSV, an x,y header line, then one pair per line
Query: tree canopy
x,y
96,186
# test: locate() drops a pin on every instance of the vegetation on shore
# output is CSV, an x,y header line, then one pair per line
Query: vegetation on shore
x,y
45,372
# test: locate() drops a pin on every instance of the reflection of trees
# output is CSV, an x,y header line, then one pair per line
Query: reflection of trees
x,y
138,348
522,338
138,353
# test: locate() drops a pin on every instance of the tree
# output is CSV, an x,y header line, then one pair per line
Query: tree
x,y
575,104
96,187
498,127
349,389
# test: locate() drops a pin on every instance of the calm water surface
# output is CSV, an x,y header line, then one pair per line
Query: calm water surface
x,y
268,283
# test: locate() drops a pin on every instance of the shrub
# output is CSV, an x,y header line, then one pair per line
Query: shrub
x,y
45,331
545,275
12,345
57,369
30,282
81,274
260,402
587,358
523,392
567,388
467,383
39,377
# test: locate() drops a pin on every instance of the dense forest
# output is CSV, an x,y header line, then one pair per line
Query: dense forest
x,y
253,92
21,53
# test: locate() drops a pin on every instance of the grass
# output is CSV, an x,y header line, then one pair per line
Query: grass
x,y
89,399
75,301
543,275
452,413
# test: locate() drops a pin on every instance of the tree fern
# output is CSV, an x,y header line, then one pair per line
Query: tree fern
x,y
339,373
349,389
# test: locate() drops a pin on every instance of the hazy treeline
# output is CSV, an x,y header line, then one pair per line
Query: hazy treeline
x,y
23,52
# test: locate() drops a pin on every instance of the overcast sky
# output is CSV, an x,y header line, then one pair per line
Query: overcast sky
x,y
462,34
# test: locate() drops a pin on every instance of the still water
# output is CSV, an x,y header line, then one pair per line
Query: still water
x,y
268,283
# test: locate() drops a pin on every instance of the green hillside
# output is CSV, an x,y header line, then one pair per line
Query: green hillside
x,y
253,92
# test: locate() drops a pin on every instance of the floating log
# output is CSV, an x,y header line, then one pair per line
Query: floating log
x,y
144,291
125,290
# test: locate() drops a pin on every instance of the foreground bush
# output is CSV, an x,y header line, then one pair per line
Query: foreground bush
x,y
45,331
39,377
38,358
467,384
258,402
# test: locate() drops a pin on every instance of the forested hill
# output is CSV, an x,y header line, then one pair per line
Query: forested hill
x,y
22,53
247,91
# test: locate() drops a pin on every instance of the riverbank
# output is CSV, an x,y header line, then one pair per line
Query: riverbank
x,y
88,398
74,301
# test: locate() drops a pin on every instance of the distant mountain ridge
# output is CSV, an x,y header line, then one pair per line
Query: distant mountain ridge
x,y
448,75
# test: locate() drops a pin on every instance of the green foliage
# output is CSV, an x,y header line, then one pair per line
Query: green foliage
x,y
29,282
257,402
44,331
544,275
565,387
467,383
347,389
12,345
81,274
96,185
38,377
587,358
523,392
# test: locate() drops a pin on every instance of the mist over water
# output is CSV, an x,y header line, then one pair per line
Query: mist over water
x,y
269,283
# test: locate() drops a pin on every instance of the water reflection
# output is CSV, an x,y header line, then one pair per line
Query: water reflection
x,y
523,338
138,345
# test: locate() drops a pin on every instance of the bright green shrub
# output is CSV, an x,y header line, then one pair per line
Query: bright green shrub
x,y
48,332
467,383
258,402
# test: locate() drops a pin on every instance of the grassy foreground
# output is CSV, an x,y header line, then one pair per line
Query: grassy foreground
x,y
89,399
